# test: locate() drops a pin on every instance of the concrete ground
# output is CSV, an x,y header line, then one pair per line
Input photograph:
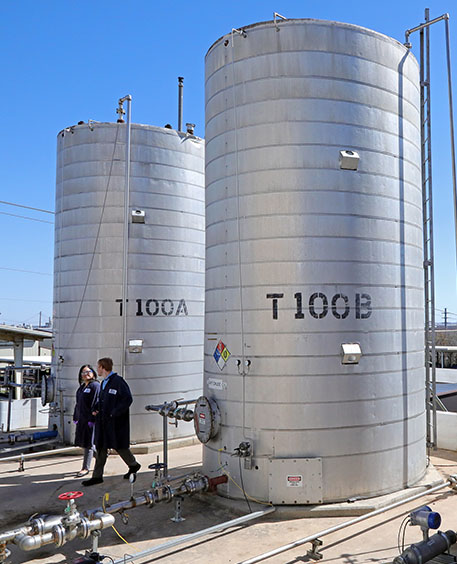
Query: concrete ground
x,y
36,489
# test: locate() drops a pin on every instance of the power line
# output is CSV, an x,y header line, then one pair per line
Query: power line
x,y
26,207
25,217
28,271
24,300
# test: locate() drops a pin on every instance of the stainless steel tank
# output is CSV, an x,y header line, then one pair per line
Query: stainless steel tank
x,y
314,252
166,255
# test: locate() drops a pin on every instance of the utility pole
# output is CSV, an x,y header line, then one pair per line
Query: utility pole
x,y
445,317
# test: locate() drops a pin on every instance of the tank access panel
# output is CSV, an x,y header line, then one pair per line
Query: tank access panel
x,y
295,481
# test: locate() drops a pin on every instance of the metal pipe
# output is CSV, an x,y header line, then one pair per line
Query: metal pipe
x,y
165,446
10,535
431,235
180,101
196,535
40,454
62,415
25,447
451,122
315,536
422,26
10,399
127,99
58,531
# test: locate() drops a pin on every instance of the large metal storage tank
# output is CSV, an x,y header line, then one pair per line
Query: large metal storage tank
x,y
303,257
166,257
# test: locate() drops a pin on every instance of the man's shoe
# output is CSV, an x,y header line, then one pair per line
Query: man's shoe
x,y
132,470
92,481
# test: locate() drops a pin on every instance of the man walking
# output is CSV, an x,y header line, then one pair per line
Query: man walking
x,y
112,422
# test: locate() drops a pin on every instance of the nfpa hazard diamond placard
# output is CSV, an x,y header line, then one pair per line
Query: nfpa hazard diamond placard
x,y
221,354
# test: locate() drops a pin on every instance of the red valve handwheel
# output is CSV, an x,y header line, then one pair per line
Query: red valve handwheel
x,y
70,495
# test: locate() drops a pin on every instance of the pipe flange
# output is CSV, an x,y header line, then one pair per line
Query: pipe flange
x,y
84,528
58,535
37,525
167,493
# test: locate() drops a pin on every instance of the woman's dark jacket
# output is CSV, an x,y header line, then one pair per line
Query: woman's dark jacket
x,y
112,424
86,398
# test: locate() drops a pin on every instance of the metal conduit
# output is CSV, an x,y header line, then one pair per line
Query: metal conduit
x,y
196,535
125,240
452,481
39,454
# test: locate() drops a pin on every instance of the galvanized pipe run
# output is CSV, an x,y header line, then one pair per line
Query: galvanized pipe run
x,y
165,493
66,450
128,99
180,101
59,529
422,26
451,482
196,535
451,123
60,533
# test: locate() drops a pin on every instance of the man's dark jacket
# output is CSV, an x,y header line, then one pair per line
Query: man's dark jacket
x,y
112,425
86,399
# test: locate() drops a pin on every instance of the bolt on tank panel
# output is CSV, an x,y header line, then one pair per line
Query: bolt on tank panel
x,y
166,257
303,256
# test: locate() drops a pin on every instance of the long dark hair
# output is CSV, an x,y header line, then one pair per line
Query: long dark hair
x,y
80,378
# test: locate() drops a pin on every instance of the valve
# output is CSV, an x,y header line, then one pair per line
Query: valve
x,y
70,495
243,450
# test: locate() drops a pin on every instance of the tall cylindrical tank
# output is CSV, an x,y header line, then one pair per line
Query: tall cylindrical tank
x,y
165,260
314,251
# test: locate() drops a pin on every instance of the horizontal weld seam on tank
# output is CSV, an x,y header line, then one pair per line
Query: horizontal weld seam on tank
x,y
331,402
293,287
309,168
349,56
318,376
247,150
347,427
317,261
393,113
309,377
326,145
334,456
326,214
225,91
289,238
318,189
351,284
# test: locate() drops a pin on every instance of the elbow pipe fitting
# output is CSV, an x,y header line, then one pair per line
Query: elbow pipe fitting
x,y
31,542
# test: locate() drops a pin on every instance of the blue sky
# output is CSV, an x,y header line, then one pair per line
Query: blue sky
x,y
64,61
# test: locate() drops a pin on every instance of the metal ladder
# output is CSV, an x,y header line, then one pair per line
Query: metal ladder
x,y
427,210
427,205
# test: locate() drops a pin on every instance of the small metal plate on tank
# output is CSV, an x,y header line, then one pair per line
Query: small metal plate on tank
x,y
295,481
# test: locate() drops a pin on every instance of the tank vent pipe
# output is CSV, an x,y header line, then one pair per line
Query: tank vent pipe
x,y
180,101
275,16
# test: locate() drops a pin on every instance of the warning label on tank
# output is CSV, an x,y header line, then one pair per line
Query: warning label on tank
x,y
295,481
221,355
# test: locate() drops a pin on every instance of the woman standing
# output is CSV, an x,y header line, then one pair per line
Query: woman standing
x,y
86,396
